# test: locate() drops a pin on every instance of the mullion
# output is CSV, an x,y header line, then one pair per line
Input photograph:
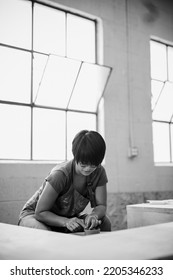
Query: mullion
x,y
170,139
32,58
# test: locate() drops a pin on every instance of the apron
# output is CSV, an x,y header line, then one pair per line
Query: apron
x,y
72,203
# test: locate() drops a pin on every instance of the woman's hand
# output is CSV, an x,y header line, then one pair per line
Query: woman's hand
x,y
75,224
92,221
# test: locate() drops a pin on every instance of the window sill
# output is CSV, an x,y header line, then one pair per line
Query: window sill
x,y
164,164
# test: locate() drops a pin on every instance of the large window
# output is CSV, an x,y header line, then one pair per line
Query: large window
x,y
51,84
162,100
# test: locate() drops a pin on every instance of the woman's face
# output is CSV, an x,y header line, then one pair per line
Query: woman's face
x,y
84,169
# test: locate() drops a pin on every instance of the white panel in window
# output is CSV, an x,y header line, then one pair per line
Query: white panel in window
x,y
81,38
49,30
48,134
75,123
158,61
101,120
15,23
39,67
170,64
172,142
156,89
15,124
101,117
54,80
15,73
89,87
164,108
161,142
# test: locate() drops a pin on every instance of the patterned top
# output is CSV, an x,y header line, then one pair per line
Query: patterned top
x,y
69,202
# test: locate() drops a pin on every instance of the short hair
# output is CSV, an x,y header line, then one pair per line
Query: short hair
x,y
88,147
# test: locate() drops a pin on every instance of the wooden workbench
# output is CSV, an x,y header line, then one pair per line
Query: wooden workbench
x,y
151,242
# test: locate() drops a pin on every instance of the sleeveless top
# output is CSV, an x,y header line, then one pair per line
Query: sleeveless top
x,y
69,202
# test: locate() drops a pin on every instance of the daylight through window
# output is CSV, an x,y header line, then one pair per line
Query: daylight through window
x,y
162,100
51,84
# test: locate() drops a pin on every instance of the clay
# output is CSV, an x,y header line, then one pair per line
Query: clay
x,y
91,231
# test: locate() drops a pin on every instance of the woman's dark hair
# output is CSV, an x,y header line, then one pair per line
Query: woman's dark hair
x,y
88,147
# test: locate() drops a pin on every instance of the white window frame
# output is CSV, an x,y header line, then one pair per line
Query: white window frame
x,y
162,128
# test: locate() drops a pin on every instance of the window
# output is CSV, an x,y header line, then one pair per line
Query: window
x,y
162,100
50,82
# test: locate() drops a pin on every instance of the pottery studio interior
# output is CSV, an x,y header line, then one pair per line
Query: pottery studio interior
x,y
103,68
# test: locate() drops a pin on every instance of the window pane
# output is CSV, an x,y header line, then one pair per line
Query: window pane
x,y
161,142
156,89
89,87
81,38
55,78
170,63
75,123
15,72
101,117
49,30
48,135
164,108
158,61
172,142
15,23
39,68
15,132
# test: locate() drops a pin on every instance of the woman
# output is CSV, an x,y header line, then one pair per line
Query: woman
x,y
69,187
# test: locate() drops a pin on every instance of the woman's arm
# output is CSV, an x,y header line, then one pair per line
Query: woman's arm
x,y
43,213
99,211
101,201
44,204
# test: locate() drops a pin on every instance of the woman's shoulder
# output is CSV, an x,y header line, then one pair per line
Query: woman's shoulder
x,y
101,169
60,176
99,172
99,176
65,167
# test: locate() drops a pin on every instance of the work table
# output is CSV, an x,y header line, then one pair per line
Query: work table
x,y
150,242
146,214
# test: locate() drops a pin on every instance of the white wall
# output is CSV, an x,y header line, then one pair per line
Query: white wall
x,y
127,104
18,182
128,98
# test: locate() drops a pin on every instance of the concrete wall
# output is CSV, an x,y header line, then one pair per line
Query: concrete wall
x,y
18,182
127,29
